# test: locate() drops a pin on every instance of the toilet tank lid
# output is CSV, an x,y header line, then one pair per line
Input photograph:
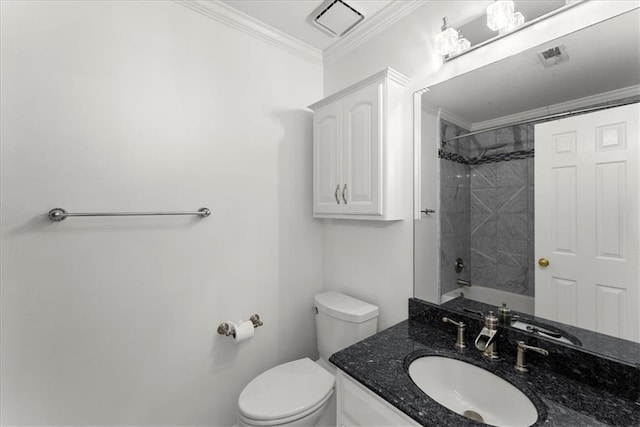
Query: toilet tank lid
x,y
344,307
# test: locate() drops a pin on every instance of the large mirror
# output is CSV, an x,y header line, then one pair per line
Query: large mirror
x,y
537,206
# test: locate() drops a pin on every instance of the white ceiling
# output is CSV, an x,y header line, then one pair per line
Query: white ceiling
x,y
292,16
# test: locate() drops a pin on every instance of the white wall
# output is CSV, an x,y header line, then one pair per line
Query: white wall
x,y
143,106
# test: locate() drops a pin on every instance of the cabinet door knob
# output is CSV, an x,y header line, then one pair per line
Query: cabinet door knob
x,y
543,262
344,192
336,194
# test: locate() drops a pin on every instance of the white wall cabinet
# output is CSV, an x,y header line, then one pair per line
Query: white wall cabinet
x,y
357,406
357,137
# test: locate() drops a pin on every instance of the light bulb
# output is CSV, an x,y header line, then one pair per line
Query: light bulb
x,y
462,44
447,39
499,14
516,20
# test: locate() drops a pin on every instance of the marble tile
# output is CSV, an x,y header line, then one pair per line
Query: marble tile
x,y
466,147
473,146
530,281
483,176
531,167
520,138
483,224
511,278
454,199
511,199
530,135
531,218
483,200
484,276
454,224
511,173
507,136
511,226
484,251
486,139
449,130
454,174
512,252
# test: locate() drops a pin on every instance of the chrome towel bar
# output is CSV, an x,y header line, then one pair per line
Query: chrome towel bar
x,y
58,214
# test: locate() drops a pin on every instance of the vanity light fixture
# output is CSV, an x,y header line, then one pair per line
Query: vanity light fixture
x,y
499,14
447,39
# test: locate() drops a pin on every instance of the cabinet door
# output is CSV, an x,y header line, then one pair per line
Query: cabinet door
x,y
357,406
361,190
327,159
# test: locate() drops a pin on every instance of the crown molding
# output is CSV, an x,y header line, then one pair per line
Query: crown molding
x,y
456,120
562,107
371,27
443,114
234,18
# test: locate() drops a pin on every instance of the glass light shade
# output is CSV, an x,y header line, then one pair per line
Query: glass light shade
x,y
499,14
462,45
447,39
516,20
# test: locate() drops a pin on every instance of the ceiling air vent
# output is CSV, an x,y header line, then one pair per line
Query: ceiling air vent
x,y
553,56
336,17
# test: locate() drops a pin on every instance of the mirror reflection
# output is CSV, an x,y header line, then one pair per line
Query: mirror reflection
x,y
538,186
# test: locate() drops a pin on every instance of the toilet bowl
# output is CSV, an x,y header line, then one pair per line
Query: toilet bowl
x,y
301,392
294,393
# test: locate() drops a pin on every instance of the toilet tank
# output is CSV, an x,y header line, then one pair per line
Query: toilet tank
x,y
342,320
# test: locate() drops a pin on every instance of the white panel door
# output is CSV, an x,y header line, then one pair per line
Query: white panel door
x,y
586,226
327,159
362,152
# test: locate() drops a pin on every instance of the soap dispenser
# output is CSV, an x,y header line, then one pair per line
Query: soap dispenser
x,y
486,340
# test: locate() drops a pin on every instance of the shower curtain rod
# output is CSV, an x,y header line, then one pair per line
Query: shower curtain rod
x,y
542,118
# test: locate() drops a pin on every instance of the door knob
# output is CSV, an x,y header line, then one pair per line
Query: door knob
x,y
543,262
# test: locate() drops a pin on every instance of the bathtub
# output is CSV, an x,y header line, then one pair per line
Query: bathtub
x,y
521,303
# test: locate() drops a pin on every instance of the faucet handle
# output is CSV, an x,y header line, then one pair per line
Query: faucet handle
x,y
521,363
461,328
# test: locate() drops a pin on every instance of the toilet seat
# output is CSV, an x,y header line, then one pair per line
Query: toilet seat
x,y
285,393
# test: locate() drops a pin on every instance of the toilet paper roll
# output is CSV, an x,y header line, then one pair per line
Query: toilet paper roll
x,y
244,331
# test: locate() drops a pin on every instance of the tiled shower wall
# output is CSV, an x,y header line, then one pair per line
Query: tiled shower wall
x,y
487,208
455,214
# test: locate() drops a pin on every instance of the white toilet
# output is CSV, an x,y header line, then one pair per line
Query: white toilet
x,y
301,392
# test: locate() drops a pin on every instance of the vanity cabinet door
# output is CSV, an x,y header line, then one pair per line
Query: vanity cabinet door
x,y
357,406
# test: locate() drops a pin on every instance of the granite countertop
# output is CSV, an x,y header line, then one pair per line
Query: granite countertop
x,y
380,363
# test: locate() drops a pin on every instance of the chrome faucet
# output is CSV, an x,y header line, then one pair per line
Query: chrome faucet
x,y
486,340
461,328
521,363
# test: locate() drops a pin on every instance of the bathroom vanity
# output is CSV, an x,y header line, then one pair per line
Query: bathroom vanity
x,y
570,386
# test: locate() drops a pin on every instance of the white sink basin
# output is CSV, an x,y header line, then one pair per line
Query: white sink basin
x,y
472,392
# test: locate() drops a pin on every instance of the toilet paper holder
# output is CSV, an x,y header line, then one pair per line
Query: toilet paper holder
x,y
226,329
